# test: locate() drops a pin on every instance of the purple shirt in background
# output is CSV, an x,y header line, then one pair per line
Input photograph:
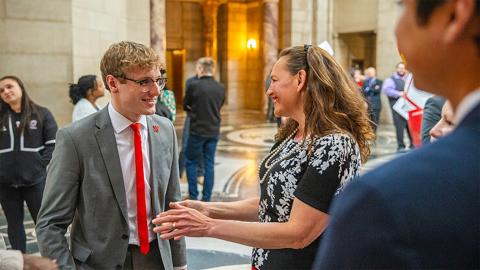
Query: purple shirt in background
x,y
388,87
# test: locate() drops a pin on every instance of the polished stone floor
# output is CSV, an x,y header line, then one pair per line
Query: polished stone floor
x,y
245,138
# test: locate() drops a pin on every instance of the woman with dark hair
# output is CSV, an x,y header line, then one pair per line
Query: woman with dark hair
x,y
318,151
27,140
84,94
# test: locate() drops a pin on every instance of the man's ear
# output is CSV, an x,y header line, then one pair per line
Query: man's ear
x,y
462,13
112,83
302,80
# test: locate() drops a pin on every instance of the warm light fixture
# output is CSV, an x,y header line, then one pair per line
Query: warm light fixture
x,y
251,43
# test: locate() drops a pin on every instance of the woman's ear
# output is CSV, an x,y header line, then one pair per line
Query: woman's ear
x,y
302,80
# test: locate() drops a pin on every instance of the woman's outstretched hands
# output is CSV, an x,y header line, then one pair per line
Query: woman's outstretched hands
x,y
183,219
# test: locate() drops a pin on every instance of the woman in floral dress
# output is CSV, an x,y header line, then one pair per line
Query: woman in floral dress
x,y
318,151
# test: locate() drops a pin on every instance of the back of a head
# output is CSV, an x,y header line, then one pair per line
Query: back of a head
x,y
79,90
127,54
207,65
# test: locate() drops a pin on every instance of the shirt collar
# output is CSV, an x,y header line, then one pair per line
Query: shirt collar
x,y
467,104
120,122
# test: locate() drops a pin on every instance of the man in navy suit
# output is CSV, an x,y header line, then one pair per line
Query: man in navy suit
x,y
371,90
422,209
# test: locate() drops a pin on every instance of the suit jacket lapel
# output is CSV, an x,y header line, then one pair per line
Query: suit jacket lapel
x,y
157,152
108,147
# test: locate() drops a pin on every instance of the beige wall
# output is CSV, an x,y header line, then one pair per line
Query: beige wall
x,y
36,45
355,15
49,44
387,53
298,25
98,24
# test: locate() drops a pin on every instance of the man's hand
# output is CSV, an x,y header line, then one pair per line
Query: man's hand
x,y
31,262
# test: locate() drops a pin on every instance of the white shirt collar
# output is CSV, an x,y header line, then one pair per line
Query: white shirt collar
x,y
467,104
120,122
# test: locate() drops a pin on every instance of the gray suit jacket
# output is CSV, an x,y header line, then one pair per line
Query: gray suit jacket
x,y
85,188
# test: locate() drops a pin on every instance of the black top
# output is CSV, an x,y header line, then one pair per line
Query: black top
x,y
203,100
24,155
371,89
314,179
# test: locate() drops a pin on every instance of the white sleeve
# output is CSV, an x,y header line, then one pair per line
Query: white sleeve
x,y
82,109
11,260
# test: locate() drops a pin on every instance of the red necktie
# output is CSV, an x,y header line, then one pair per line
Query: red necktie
x,y
140,187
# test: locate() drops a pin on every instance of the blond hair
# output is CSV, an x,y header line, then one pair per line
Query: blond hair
x,y
332,103
207,64
127,54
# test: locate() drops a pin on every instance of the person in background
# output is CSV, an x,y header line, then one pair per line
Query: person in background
x,y
318,151
203,100
394,87
372,88
432,113
84,94
358,78
186,133
421,210
27,140
446,123
167,97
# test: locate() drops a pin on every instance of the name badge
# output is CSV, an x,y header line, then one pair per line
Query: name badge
x,y
33,124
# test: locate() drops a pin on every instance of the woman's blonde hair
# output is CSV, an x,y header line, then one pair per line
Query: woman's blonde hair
x,y
332,104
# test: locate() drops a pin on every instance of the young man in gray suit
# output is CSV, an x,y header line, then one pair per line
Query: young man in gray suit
x,y
112,172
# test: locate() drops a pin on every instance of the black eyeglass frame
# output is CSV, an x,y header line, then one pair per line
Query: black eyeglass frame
x,y
160,81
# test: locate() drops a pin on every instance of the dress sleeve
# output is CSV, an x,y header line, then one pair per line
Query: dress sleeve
x,y
334,161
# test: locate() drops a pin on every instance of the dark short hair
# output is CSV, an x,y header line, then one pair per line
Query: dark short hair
x,y
79,90
425,9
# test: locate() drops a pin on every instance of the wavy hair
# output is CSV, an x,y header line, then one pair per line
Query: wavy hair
x,y
127,54
332,104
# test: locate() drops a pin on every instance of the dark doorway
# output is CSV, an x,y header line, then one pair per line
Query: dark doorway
x,y
175,71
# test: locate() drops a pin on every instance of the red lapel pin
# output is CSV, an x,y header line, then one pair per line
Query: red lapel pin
x,y
156,128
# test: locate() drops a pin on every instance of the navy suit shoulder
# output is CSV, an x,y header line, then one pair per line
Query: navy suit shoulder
x,y
418,211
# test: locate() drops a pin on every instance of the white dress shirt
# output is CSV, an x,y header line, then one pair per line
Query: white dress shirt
x,y
467,104
126,152
82,109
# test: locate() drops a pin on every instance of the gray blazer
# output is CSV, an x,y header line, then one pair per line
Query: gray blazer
x,y
85,188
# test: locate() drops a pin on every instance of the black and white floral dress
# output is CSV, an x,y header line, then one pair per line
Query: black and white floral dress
x,y
313,178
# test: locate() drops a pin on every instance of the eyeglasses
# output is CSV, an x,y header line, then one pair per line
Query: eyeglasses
x,y
160,81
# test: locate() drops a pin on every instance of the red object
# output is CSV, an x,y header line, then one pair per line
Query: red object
x,y
140,187
415,126
156,128
415,122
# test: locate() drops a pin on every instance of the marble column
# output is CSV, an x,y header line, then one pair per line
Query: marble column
x,y
158,36
270,40
210,8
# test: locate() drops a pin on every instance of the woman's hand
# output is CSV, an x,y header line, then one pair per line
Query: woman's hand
x,y
182,221
197,205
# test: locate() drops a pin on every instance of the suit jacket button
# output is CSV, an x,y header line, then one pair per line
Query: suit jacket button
x,y
118,266
124,236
